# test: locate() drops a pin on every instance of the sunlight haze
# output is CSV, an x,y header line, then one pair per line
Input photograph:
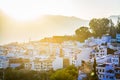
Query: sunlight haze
x,y
24,19
87,9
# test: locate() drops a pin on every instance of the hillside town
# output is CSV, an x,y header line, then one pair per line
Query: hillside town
x,y
39,56
59,39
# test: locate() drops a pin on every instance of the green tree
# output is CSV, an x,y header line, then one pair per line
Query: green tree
x,y
61,75
68,73
72,70
112,30
99,26
82,33
94,75
86,67
118,26
20,67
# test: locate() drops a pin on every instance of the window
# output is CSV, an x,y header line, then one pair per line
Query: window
x,y
106,76
103,76
96,54
100,76
111,77
103,70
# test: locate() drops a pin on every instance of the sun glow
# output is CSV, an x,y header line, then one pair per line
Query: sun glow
x,y
86,9
22,18
23,9
30,9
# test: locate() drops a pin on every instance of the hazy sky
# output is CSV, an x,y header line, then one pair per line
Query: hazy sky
x,y
25,10
87,9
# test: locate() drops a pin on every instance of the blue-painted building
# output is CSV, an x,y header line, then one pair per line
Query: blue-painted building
x,y
106,38
118,37
106,72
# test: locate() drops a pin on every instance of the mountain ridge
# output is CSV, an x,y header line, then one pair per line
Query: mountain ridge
x,y
45,26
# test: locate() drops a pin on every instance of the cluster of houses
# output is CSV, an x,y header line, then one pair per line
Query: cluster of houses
x,y
36,55
107,53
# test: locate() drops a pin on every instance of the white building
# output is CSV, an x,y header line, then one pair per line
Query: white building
x,y
92,41
57,63
98,51
4,62
83,55
40,65
2,50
